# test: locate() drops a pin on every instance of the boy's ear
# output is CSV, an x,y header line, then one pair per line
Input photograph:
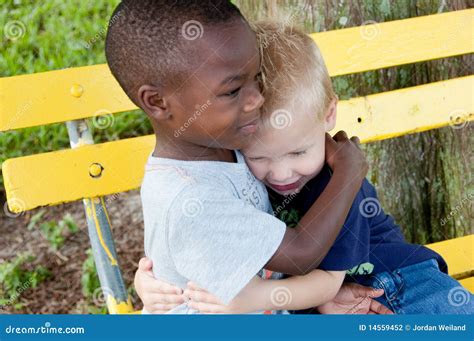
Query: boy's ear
x,y
151,100
330,115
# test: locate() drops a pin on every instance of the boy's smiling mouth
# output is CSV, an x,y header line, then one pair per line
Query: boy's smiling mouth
x,y
285,188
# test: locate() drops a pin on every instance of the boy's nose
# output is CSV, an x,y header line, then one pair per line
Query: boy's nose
x,y
279,175
254,102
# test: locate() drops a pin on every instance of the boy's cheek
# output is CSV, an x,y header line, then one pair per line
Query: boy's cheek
x,y
312,165
259,171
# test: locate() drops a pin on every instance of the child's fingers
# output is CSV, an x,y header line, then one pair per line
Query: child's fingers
x,y
194,286
164,307
167,288
157,312
161,287
356,141
379,308
175,299
144,279
375,292
152,299
330,146
201,296
360,291
341,135
330,143
207,308
160,308
145,264
330,140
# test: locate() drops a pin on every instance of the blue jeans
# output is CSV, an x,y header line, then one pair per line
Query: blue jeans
x,y
421,289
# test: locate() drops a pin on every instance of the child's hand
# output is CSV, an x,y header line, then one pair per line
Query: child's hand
x,y
206,303
158,297
247,301
355,299
344,153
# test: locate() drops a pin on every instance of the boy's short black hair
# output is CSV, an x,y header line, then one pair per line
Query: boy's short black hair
x,y
151,41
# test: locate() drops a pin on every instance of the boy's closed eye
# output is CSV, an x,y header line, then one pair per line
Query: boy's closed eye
x,y
292,154
255,158
235,91
298,153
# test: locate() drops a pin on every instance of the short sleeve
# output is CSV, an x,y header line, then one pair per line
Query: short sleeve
x,y
219,241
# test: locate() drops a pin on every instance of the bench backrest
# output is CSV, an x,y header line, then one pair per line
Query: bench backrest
x,y
101,169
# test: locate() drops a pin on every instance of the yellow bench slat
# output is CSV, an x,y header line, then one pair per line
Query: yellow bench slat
x,y
409,110
377,46
63,176
458,254
51,97
44,98
468,283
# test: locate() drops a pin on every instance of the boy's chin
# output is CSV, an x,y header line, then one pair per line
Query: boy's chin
x,y
288,193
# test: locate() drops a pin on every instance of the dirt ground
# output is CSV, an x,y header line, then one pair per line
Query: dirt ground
x,y
61,293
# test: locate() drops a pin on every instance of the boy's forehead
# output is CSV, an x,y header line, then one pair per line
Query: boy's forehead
x,y
280,135
230,50
292,117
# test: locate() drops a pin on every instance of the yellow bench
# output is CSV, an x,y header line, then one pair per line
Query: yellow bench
x,y
88,171
459,254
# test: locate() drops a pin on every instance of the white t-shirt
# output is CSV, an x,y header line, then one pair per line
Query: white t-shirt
x,y
209,222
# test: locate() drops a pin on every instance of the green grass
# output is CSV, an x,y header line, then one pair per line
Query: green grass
x,y
17,276
55,35
91,288
54,232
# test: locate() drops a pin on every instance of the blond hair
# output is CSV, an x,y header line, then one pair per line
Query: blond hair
x,y
294,74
